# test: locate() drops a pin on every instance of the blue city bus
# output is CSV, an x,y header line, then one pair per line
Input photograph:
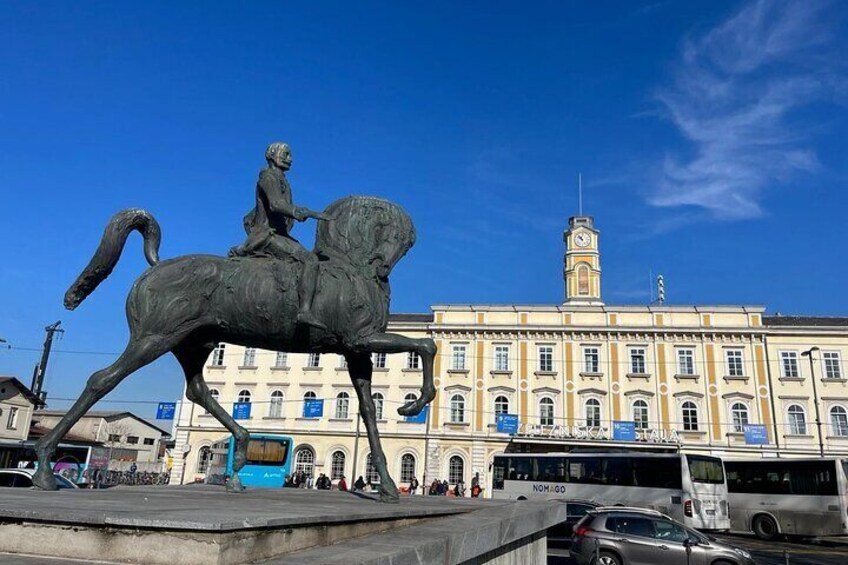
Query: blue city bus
x,y
269,460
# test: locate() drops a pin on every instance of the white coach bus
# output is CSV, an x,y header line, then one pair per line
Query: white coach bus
x,y
689,488
796,497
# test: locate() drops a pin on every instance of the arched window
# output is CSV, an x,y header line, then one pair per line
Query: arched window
x,y
592,409
410,397
310,395
457,409
690,416
739,416
304,460
371,474
378,404
640,414
583,280
337,465
275,408
501,406
407,468
797,420
456,469
342,405
204,455
839,421
214,393
546,411
244,395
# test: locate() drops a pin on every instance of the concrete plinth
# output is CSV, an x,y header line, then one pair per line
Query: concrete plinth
x,y
201,524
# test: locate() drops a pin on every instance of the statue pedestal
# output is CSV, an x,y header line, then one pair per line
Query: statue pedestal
x,y
200,524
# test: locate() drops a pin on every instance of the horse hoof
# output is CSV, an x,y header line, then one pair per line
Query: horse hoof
x,y
410,409
234,485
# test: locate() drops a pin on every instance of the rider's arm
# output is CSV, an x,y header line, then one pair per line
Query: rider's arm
x,y
276,203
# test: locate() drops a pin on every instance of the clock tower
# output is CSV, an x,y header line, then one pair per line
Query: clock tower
x,y
582,268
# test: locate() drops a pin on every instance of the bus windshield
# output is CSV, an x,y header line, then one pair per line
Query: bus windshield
x,y
705,469
267,452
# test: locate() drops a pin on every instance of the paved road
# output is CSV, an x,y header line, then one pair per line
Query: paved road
x,y
766,553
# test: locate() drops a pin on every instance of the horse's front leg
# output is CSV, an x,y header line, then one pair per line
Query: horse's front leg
x,y
426,349
360,368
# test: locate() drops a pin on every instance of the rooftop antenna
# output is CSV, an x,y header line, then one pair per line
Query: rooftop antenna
x,y
580,194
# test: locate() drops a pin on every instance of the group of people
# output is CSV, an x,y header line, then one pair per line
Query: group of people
x,y
437,488
442,488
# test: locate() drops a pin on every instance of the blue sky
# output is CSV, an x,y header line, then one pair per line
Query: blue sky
x,y
710,135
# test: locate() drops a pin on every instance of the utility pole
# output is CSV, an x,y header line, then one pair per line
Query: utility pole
x,y
809,353
41,368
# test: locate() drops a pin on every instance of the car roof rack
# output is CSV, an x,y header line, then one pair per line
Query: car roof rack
x,y
634,509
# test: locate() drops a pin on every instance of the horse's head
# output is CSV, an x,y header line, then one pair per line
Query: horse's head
x,y
370,233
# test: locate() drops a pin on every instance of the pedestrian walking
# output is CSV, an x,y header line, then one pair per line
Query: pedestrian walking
x,y
413,486
342,483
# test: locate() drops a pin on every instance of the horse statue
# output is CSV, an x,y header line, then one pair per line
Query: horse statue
x,y
188,305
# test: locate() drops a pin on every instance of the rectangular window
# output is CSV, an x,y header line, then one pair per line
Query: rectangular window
x,y
132,440
314,360
789,364
282,360
546,359
218,356
114,438
501,358
734,363
685,361
637,361
379,360
413,361
249,357
12,422
458,357
591,360
832,365
149,441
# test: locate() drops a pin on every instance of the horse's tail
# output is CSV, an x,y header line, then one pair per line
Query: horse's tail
x,y
109,251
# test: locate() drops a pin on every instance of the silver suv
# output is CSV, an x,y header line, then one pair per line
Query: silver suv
x,y
636,536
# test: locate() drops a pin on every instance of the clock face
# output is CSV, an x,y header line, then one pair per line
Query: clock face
x,y
582,239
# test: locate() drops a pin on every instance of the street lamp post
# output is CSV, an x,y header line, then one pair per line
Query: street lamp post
x,y
809,354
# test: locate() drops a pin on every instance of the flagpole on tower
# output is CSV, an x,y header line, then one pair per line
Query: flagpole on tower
x,y
580,193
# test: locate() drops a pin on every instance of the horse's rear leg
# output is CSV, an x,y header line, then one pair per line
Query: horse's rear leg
x,y
136,355
192,358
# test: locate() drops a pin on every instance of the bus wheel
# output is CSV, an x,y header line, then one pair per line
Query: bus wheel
x,y
765,527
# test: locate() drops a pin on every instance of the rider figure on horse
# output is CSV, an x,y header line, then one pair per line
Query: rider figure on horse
x,y
269,224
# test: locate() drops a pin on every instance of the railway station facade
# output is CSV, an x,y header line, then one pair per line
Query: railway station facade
x,y
723,380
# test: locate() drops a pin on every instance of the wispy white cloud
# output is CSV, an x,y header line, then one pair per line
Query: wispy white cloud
x,y
734,95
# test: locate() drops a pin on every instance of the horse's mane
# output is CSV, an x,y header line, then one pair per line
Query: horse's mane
x,y
364,228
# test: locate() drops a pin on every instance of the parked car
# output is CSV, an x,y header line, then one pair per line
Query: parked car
x,y
575,510
637,536
22,478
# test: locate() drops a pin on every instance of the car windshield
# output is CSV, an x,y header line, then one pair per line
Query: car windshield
x,y
705,469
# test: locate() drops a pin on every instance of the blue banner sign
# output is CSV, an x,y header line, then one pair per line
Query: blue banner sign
x,y
421,418
166,410
755,434
241,411
507,423
313,408
624,431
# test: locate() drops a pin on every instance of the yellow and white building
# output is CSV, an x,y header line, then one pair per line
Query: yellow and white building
x,y
691,378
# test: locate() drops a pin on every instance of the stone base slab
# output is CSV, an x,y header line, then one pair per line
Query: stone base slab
x,y
199,524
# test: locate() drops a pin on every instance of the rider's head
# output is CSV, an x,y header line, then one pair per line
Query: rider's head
x,y
279,154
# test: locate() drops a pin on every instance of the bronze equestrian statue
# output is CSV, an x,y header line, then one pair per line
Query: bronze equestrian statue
x,y
187,305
